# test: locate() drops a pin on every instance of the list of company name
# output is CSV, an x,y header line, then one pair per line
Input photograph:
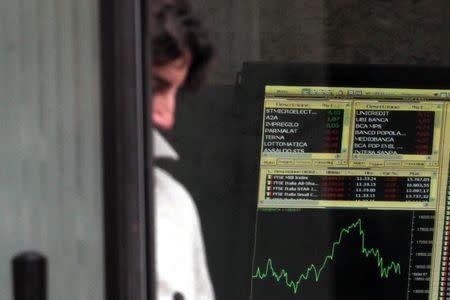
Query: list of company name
x,y
293,130
393,132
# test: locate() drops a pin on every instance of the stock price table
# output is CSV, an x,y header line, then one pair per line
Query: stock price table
x,y
367,188
393,132
294,130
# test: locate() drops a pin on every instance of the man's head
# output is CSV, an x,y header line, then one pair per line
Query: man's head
x,y
180,53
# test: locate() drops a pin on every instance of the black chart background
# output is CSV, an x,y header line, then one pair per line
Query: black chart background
x,y
297,239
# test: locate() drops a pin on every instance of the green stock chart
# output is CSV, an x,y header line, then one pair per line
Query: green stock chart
x,y
342,254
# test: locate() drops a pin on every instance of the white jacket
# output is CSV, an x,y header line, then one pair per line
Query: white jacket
x,y
180,256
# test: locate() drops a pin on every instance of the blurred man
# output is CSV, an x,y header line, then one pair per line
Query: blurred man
x,y
180,53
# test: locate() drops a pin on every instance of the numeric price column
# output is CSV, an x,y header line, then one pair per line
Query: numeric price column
x,y
444,291
365,188
333,131
424,132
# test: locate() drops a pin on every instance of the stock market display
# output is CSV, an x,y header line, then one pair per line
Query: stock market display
x,y
354,194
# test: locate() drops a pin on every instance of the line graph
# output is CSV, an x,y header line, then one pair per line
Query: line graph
x,y
314,271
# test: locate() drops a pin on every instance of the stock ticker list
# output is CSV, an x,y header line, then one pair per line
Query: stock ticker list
x,y
393,132
341,188
294,130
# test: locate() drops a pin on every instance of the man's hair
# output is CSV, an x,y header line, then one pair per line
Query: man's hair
x,y
175,31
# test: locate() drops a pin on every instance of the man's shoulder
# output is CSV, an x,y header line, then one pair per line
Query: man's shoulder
x,y
170,192
167,184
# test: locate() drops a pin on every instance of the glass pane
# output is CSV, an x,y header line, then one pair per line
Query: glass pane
x,y
332,67
50,174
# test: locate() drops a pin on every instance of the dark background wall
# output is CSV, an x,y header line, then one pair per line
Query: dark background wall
x,y
207,133
339,31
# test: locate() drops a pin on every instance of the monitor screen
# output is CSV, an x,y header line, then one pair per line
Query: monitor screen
x,y
353,194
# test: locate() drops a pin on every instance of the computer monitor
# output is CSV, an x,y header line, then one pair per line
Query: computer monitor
x,y
353,189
